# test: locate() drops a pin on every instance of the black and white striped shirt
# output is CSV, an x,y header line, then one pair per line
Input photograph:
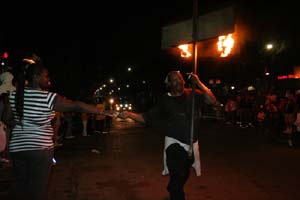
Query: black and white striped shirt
x,y
35,131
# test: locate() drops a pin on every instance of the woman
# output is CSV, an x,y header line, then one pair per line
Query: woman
x,y
31,145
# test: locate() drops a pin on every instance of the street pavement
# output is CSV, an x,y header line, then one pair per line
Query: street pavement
x,y
237,164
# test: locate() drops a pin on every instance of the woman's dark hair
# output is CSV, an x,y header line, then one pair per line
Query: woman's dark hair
x,y
25,78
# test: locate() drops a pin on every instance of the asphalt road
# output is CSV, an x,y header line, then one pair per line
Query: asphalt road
x,y
237,164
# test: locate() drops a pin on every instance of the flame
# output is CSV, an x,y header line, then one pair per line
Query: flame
x,y
184,50
225,44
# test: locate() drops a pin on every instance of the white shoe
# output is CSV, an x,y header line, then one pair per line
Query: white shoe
x,y
4,160
290,143
95,151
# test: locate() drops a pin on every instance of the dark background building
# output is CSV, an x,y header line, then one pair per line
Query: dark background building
x,y
84,44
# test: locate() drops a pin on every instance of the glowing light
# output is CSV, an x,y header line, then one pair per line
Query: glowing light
x,y
53,161
251,88
184,50
29,60
225,44
281,77
269,46
5,55
289,76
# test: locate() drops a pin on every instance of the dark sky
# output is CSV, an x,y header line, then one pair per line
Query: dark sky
x,y
84,42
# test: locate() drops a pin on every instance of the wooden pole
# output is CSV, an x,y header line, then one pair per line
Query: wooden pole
x,y
195,55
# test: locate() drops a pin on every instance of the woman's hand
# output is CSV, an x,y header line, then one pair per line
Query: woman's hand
x,y
111,113
194,78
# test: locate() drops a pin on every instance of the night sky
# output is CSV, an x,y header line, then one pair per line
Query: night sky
x,y
83,43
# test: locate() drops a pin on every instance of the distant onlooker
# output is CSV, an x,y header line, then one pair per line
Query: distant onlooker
x,y
84,119
261,115
230,111
108,119
68,117
290,114
100,119
6,87
56,128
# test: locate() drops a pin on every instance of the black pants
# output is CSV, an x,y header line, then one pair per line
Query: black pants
x,y
179,164
32,170
99,125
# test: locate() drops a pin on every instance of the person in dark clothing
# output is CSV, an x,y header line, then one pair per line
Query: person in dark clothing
x,y
172,115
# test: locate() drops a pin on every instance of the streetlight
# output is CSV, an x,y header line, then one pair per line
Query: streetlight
x,y
269,46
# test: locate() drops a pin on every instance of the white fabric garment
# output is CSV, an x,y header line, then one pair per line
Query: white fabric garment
x,y
196,165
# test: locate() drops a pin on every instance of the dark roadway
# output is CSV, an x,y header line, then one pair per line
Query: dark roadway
x,y
237,164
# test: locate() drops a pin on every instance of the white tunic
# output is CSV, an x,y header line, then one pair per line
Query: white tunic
x,y
196,165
